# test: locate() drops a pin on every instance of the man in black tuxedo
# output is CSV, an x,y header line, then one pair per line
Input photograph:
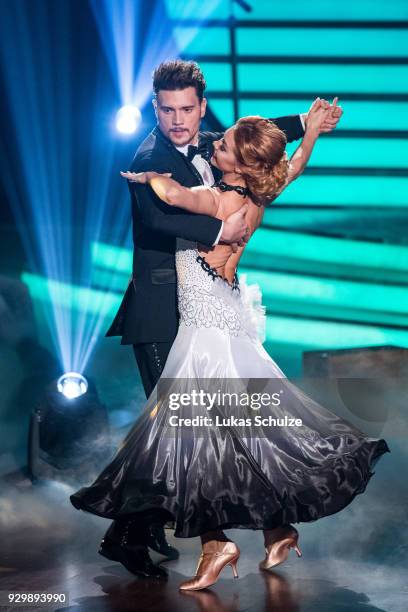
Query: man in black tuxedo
x,y
148,316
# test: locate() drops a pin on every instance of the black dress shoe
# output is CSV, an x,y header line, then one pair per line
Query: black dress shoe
x,y
135,559
157,542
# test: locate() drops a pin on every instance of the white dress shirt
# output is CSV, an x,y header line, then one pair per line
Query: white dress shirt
x,y
206,174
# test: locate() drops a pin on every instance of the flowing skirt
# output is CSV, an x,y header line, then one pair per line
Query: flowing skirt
x,y
296,462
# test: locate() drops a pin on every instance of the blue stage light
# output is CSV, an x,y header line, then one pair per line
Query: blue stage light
x,y
120,22
72,385
43,194
128,119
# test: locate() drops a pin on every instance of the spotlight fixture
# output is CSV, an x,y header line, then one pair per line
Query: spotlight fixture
x,y
128,119
72,385
69,434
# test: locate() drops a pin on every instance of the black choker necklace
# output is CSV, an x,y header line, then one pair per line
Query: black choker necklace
x,y
243,191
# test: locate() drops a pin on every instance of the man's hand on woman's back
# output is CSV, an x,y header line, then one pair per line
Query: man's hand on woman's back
x,y
235,230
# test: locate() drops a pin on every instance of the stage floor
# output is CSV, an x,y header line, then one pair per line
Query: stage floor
x,y
346,566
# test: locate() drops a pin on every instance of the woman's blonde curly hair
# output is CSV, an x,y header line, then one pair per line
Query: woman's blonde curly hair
x,y
260,151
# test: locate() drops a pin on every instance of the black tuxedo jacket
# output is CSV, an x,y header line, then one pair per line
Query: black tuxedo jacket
x,y
148,312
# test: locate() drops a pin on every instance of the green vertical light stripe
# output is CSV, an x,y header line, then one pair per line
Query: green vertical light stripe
x,y
347,190
345,253
294,287
85,299
197,9
358,115
312,334
317,78
349,10
301,289
315,42
323,267
224,111
271,245
325,312
302,295
218,76
104,279
329,220
285,330
111,257
208,41
380,225
334,151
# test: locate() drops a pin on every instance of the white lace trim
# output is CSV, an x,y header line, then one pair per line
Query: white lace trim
x,y
206,300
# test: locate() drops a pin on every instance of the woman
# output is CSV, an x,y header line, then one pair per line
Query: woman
x,y
196,463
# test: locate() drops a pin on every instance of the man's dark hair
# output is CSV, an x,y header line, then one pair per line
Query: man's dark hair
x,y
178,74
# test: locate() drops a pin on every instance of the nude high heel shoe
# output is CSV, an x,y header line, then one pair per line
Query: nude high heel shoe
x,y
278,552
212,561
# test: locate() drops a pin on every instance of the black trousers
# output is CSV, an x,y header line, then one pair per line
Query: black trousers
x,y
151,358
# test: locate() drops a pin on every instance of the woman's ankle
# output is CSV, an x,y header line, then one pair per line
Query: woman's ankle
x,y
273,535
214,536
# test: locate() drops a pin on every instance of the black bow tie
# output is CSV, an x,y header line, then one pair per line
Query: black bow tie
x,y
203,149
192,151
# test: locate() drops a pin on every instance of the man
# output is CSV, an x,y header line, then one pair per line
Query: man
x,y
148,316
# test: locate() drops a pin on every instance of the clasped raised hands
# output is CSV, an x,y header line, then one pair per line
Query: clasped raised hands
x,y
323,116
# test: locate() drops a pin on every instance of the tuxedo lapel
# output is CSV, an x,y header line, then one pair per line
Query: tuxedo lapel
x,y
205,148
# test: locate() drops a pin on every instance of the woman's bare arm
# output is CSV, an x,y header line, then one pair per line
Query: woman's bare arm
x,y
202,200
315,126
